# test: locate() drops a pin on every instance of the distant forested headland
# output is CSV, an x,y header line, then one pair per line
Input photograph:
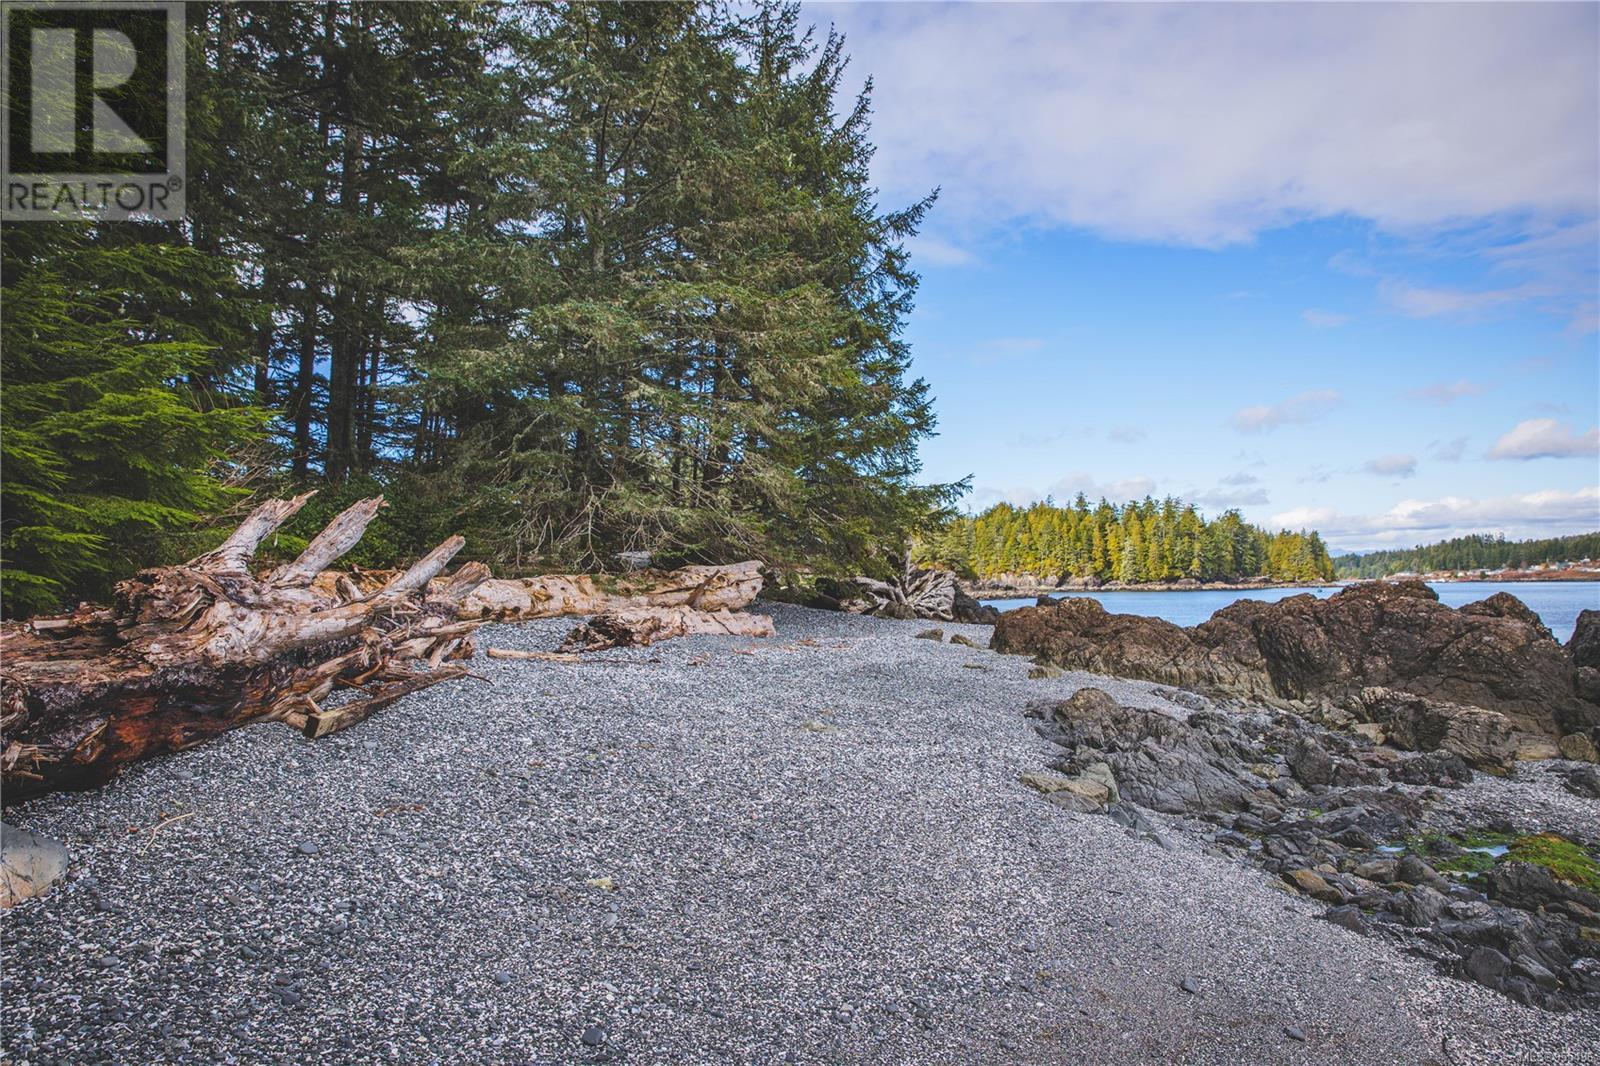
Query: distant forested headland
x,y
1138,542
566,279
1477,552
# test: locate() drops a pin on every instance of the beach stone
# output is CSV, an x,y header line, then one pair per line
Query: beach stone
x,y
29,864
1294,1032
593,1036
931,634
1578,747
1422,906
1413,871
1045,781
307,847
964,641
1348,917
1044,673
1583,781
1314,885
1486,966
1190,985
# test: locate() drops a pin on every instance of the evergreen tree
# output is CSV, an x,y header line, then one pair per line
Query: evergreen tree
x,y
116,412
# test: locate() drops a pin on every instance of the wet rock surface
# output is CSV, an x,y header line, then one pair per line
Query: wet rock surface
x,y
1482,681
1370,831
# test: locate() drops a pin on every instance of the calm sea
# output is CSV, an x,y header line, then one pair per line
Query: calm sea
x,y
1557,602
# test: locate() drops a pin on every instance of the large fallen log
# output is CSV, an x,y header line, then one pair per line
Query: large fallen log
x,y
638,626
702,588
187,652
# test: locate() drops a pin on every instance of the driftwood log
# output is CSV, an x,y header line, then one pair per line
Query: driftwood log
x,y
698,588
187,652
638,626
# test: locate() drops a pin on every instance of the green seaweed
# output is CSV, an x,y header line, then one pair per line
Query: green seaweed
x,y
1565,860
1461,854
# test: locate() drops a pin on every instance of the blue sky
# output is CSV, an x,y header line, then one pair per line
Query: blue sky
x,y
1335,265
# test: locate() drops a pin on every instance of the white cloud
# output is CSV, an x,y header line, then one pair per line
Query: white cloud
x,y
1392,466
1300,408
1126,434
1223,500
1323,319
1241,478
1206,124
1546,513
1064,490
928,249
1446,392
1448,451
1418,301
1545,438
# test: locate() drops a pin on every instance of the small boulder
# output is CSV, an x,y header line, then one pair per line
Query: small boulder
x,y
1349,917
29,864
931,634
1487,966
1379,870
1413,871
1584,781
1045,673
1422,906
965,642
1579,748
1312,884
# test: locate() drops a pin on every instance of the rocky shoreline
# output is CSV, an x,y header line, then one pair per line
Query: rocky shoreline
x,y
1497,898
1341,728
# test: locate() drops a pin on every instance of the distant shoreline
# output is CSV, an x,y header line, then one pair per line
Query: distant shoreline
x,y
993,592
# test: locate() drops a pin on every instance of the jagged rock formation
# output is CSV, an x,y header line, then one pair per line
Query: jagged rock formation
x,y
1352,652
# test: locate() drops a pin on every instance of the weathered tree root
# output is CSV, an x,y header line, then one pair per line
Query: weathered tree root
x,y
188,652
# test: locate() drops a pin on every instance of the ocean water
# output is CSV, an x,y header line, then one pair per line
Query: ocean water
x,y
1556,602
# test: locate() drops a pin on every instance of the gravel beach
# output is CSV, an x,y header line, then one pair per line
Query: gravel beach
x,y
806,849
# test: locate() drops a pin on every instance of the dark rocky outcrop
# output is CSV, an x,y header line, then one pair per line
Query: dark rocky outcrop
x,y
1584,645
967,609
1442,668
1330,815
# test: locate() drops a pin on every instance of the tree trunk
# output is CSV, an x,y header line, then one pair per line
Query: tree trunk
x,y
188,652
